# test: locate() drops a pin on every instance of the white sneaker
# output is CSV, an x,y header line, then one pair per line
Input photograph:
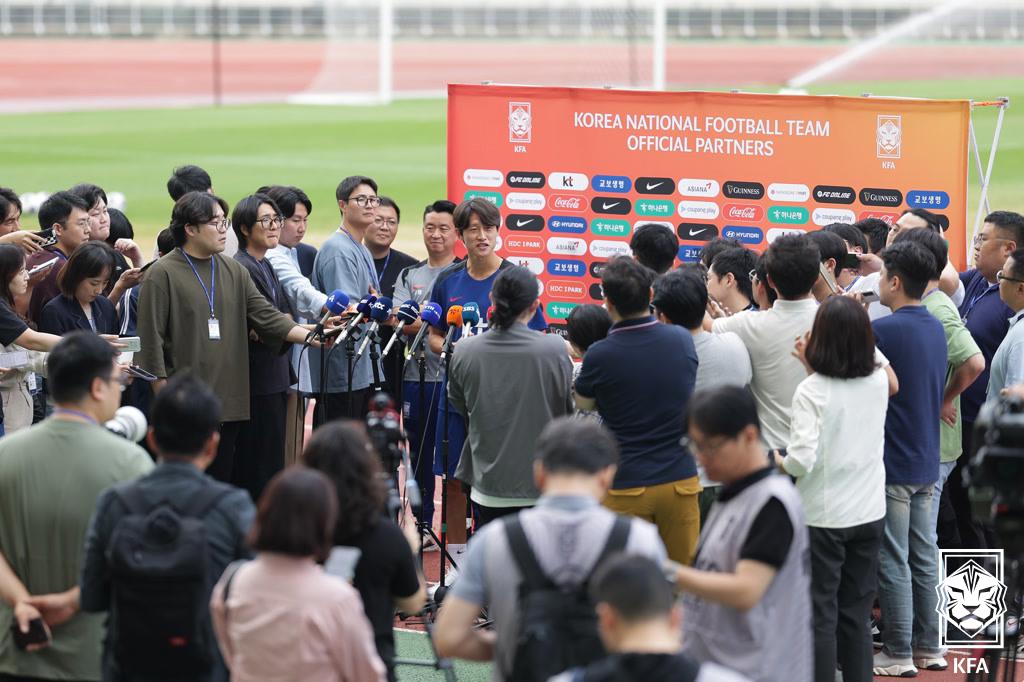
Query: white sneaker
x,y
429,545
889,666
930,661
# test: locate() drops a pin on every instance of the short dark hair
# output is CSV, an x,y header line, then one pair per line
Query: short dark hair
x,y
75,362
120,226
627,285
296,515
8,198
829,245
634,586
286,199
246,213
185,179
930,240
848,233
341,450
185,413
388,202
739,262
912,263
682,296
876,231
587,324
349,184
165,241
576,446
514,291
12,261
723,410
842,343
88,260
90,193
440,206
487,212
1018,263
761,270
1009,222
932,220
655,246
57,209
195,208
714,247
793,264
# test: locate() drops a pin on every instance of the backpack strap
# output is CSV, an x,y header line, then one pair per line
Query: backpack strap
x,y
203,500
526,560
617,540
132,498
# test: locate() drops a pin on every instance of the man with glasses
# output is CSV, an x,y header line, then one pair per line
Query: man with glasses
x,y
344,263
1008,362
68,217
196,308
50,477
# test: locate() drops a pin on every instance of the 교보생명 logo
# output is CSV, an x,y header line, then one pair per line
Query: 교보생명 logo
x,y
889,136
971,598
520,122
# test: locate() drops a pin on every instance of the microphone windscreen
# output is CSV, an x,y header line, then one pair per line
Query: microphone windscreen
x,y
366,304
470,314
455,316
337,301
431,313
408,312
381,309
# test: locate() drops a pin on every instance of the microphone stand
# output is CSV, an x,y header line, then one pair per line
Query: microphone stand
x,y
375,360
444,474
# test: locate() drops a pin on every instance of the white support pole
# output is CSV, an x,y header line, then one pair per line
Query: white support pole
x,y
977,158
660,51
988,173
385,55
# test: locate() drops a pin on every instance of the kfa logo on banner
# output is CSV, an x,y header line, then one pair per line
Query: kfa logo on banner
x,y
889,136
520,123
971,604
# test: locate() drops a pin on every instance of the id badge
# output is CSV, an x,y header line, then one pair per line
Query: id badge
x,y
214,329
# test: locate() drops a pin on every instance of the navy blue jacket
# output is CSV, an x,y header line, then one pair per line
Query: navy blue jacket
x,y
64,315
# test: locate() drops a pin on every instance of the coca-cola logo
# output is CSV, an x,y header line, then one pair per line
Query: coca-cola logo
x,y
744,212
562,202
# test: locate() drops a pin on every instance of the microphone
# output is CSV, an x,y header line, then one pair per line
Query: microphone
x,y
454,320
407,313
380,311
364,311
336,304
431,315
470,318
129,423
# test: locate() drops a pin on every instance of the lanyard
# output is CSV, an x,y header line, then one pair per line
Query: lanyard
x,y
75,413
978,297
929,293
212,291
643,325
385,268
366,260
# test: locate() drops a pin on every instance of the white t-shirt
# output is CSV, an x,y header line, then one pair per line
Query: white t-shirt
x,y
836,444
876,309
769,337
722,361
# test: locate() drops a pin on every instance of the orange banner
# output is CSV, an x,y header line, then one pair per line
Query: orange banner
x,y
575,171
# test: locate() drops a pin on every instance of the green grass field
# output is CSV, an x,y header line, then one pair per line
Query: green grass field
x,y
401,145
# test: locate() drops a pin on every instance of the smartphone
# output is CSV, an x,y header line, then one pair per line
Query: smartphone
x,y
851,262
139,373
828,278
869,297
36,634
14,359
132,344
43,266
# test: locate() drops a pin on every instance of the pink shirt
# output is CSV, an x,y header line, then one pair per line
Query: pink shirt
x,y
287,620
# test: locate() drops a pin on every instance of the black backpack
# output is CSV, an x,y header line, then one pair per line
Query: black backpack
x,y
557,625
159,577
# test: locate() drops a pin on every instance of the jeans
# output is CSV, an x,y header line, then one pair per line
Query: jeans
x,y
945,468
909,572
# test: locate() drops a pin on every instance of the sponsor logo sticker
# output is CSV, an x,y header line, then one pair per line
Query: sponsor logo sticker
x,y
827,216
515,243
566,267
607,249
478,177
692,187
645,185
560,310
929,199
834,194
744,234
534,265
568,182
567,202
524,179
778,191
611,183
520,122
734,189
788,215
698,210
776,232
690,254
743,212
493,197
567,224
873,196
604,227
696,232
654,207
525,201
561,288
522,222
611,205
561,246
639,223
596,268
888,218
596,292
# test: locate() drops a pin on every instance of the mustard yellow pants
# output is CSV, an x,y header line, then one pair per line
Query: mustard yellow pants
x,y
672,507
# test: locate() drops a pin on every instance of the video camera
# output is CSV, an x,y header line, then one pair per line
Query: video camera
x,y
995,474
386,434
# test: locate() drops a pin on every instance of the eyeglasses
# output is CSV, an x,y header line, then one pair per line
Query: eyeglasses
x,y
220,226
266,221
752,275
364,201
1001,277
380,222
703,448
981,239
83,224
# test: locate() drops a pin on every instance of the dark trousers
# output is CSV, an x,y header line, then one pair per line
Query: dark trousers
x,y
259,454
342,406
223,466
844,578
422,429
487,514
973,535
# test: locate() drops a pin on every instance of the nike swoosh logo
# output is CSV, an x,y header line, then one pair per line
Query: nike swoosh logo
x,y
454,298
694,234
520,223
605,207
654,186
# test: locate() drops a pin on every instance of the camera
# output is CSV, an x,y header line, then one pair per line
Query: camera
x,y
387,437
995,474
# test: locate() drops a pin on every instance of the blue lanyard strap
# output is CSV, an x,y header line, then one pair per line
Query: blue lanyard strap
x,y
212,291
366,258
75,413
978,297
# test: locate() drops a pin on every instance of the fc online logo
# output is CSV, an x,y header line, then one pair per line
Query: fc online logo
x,y
971,599
520,122
889,136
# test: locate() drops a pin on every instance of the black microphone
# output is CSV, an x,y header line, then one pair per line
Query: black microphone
x,y
407,313
336,304
364,311
380,311
431,315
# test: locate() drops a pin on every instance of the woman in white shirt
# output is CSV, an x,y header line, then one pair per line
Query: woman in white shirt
x,y
837,436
